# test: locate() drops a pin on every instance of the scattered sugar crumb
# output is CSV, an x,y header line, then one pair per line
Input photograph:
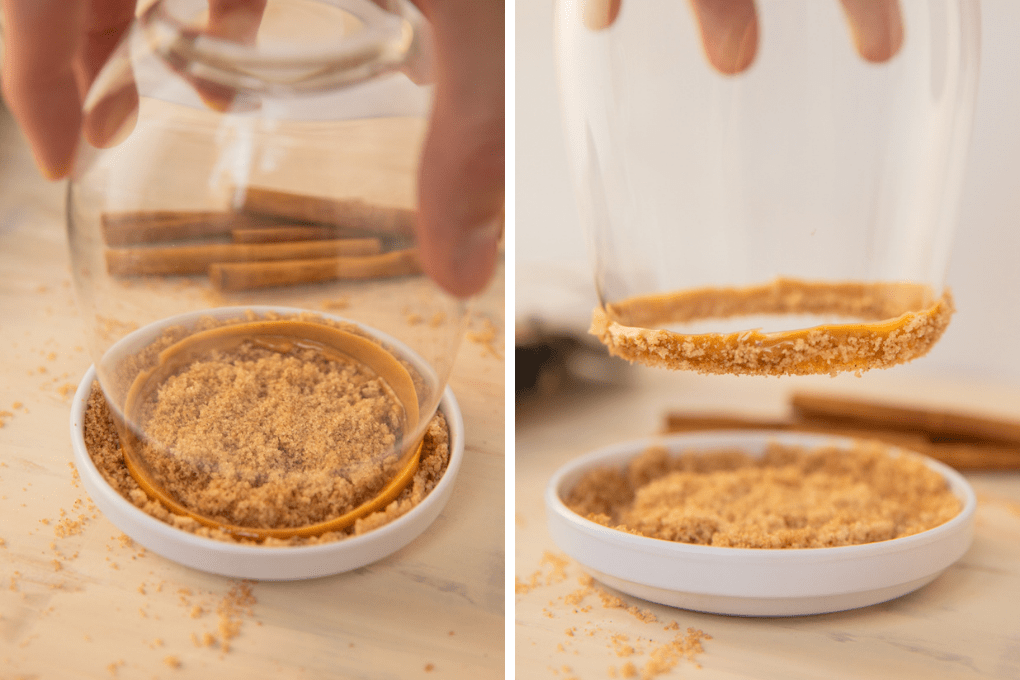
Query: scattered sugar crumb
x,y
647,657
486,337
557,573
336,303
664,658
172,661
237,603
621,645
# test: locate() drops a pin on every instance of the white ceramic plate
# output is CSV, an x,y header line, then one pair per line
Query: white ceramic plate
x,y
253,561
752,582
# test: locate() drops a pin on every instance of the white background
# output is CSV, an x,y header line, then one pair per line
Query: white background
x,y
981,343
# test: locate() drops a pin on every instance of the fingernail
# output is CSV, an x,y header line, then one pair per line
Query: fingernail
x,y
729,33
599,14
112,118
876,26
53,173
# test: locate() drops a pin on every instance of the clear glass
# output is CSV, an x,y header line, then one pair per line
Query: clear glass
x,y
257,170
812,175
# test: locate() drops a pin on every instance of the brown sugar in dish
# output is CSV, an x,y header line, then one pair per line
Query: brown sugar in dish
x,y
103,444
257,438
791,497
899,322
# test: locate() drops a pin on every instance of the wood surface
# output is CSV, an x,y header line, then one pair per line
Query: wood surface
x,y
962,625
84,603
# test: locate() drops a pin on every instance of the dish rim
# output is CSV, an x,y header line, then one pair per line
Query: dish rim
x,y
302,561
753,581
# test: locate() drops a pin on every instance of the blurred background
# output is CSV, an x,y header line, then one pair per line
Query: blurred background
x,y
554,289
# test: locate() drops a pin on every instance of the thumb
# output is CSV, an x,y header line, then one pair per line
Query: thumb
x,y
461,175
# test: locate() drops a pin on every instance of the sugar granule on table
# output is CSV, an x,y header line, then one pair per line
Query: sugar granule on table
x,y
487,337
659,656
557,573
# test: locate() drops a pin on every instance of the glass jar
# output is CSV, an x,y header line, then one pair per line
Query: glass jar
x,y
788,212
241,219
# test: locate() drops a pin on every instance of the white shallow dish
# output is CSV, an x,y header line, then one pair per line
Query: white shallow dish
x,y
253,561
752,582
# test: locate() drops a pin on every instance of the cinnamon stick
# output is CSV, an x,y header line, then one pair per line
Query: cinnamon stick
x,y
974,454
937,424
161,226
233,277
976,457
352,213
182,260
289,233
679,422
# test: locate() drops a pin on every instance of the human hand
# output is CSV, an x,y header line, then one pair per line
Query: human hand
x,y
461,176
729,28
55,48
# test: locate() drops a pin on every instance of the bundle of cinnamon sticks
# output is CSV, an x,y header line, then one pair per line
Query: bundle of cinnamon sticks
x,y
274,239
963,441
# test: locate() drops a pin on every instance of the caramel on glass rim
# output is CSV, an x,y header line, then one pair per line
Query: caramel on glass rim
x,y
899,322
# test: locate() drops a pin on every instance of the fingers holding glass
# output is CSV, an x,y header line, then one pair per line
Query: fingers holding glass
x,y
876,27
729,33
730,28
461,177
39,77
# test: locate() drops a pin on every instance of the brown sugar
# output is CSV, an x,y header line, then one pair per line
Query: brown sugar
x,y
257,438
791,497
899,322
268,424
103,444
664,658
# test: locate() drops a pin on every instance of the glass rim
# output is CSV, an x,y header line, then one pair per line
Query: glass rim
x,y
385,40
